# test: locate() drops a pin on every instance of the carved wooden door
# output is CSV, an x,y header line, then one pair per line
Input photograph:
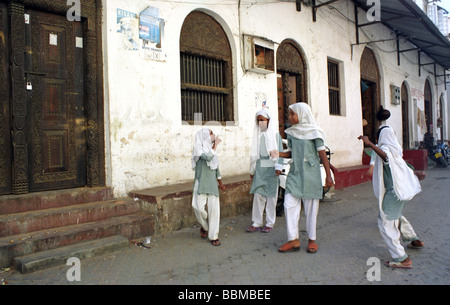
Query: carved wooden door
x,y
5,121
55,87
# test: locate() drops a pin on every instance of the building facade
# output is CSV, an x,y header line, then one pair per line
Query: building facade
x,y
264,53
131,82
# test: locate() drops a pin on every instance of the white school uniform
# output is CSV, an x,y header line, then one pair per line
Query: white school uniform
x,y
304,183
263,163
403,186
205,191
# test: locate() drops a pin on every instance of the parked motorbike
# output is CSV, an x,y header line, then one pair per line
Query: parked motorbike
x,y
444,150
435,152
283,176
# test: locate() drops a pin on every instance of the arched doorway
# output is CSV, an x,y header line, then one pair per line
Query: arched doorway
x,y
428,101
370,92
405,116
291,80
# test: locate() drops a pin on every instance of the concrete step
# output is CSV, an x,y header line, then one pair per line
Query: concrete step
x,y
56,257
129,226
10,204
27,222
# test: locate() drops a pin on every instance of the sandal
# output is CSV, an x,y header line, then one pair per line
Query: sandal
x,y
252,229
416,244
266,229
312,247
203,233
215,242
400,265
293,245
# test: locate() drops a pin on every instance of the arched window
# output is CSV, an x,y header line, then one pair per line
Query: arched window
x,y
205,70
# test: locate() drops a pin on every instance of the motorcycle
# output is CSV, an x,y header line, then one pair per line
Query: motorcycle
x,y
284,173
436,152
444,150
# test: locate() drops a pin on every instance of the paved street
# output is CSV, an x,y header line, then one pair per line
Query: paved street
x,y
347,237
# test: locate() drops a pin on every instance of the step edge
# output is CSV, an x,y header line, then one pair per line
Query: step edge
x,y
59,256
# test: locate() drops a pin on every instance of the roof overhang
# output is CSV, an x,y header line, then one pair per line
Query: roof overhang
x,y
408,21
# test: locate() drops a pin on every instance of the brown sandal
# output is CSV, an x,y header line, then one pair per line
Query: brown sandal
x,y
312,247
293,245
203,233
215,242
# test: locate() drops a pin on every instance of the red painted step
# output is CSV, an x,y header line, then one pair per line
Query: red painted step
x,y
21,223
130,226
10,204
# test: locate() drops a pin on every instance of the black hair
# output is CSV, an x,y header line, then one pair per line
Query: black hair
x,y
383,114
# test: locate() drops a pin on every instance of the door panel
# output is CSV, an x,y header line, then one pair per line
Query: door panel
x,y
56,124
5,127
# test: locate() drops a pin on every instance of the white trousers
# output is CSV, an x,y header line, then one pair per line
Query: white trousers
x,y
292,209
392,231
259,203
210,221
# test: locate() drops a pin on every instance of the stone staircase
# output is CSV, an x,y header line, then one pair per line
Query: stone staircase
x,y
41,230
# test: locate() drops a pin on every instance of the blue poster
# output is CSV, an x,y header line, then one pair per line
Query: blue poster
x,y
149,25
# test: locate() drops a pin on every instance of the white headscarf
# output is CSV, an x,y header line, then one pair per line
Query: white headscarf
x,y
306,128
406,184
270,140
203,145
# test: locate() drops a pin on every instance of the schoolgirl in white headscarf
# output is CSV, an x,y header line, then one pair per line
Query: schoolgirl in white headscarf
x,y
203,145
394,184
306,128
263,171
304,183
206,166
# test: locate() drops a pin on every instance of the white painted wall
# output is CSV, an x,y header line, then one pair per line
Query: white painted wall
x,y
147,144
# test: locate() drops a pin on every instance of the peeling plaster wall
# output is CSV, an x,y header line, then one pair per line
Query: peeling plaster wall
x,y
150,146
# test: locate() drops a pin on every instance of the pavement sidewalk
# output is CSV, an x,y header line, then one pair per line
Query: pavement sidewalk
x,y
351,250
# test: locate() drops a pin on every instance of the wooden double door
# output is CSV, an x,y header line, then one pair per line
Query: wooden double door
x,y
42,101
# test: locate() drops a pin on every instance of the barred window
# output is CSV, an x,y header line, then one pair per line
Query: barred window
x,y
334,94
202,88
205,70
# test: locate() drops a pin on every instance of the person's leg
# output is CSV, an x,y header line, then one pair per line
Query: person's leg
x,y
409,235
213,217
311,211
391,236
271,214
259,201
292,207
199,203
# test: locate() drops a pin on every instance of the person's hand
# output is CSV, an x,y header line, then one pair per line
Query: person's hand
x,y
328,182
222,187
365,139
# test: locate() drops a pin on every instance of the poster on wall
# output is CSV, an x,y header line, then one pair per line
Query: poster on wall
x,y
151,31
149,25
128,27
